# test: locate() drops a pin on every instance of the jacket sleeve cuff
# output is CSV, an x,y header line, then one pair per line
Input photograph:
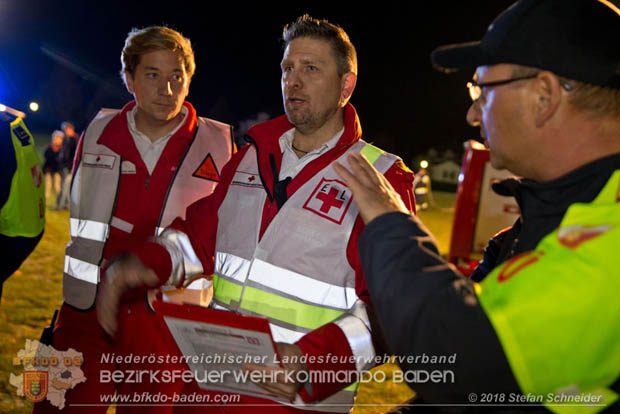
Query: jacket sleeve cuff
x,y
355,325
326,349
155,257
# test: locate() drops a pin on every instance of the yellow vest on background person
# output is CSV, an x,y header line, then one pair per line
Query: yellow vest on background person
x,y
23,214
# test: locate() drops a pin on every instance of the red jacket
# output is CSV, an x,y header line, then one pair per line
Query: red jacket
x,y
140,195
202,222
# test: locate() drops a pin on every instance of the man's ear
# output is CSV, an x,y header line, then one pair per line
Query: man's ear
x,y
347,86
128,81
548,94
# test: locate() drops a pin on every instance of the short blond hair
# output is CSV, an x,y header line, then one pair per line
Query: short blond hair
x,y
151,39
598,101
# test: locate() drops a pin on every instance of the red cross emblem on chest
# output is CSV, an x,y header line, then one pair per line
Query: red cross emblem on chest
x,y
331,199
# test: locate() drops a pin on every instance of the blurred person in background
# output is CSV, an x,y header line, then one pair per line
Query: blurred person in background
x,y
67,153
22,196
422,189
51,166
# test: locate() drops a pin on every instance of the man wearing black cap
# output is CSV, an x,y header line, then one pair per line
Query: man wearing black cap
x,y
543,326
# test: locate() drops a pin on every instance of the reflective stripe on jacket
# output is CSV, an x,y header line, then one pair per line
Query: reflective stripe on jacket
x,y
93,196
298,274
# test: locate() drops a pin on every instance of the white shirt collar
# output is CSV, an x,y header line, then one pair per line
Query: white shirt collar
x,y
131,122
286,142
150,151
291,163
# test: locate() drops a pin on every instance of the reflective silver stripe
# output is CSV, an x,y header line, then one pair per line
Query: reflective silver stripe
x,y
231,266
185,263
121,224
384,162
356,327
295,284
281,334
79,269
219,307
200,284
75,185
359,311
89,229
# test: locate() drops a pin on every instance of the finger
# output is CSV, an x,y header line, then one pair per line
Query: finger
x,y
275,373
358,189
363,170
386,188
383,181
135,274
132,274
349,179
276,390
272,375
369,169
280,387
149,278
356,167
379,182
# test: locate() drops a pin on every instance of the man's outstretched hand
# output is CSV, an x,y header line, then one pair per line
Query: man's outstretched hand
x,y
122,275
372,192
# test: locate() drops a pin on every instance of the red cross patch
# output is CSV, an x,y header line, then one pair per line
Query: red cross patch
x,y
331,199
246,179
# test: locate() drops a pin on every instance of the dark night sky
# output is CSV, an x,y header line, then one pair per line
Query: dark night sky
x,y
404,105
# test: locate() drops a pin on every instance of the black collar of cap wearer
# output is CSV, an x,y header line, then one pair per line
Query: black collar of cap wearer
x,y
577,39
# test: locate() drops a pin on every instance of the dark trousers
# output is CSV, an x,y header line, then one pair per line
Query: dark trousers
x,y
14,251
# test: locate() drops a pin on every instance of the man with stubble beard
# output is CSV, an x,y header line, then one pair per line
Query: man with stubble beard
x,y
280,232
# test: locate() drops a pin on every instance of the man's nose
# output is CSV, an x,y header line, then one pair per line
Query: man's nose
x,y
292,80
165,88
474,115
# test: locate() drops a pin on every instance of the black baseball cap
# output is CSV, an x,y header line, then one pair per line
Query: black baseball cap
x,y
576,39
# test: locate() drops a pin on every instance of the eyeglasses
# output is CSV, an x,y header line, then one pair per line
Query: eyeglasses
x,y
475,88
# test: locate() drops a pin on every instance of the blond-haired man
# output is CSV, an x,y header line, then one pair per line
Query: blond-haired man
x,y
137,169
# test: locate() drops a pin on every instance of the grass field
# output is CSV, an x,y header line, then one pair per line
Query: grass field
x,y
35,290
